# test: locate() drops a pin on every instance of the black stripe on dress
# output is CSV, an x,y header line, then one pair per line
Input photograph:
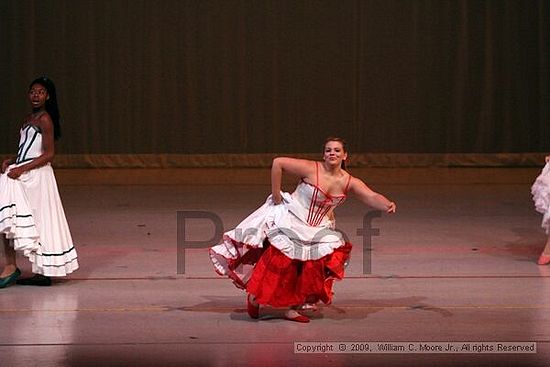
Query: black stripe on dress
x,y
7,206
22,146
61,254
57,266
29,147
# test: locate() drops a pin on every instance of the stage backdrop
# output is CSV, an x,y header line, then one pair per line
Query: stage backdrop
x,y
251,77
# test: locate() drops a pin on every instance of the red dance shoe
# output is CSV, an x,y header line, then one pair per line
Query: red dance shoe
x,y
543,260
297,318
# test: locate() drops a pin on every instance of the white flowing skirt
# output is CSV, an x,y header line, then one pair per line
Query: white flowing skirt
x,y
32,218
285,228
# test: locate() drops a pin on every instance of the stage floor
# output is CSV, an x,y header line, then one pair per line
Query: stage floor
x,y
457,263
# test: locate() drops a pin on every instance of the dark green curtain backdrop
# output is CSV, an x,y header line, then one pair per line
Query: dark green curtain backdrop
x,y
193,77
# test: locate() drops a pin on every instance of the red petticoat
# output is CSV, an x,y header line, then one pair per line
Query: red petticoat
x,y
279,281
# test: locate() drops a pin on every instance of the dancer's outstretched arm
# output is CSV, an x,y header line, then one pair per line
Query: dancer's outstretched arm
x,y
371,198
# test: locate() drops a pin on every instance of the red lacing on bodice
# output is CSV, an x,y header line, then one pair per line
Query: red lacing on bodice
x,y
318,208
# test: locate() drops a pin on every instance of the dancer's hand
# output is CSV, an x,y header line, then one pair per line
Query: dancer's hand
x,y
5,164
277,198
391,208
15,172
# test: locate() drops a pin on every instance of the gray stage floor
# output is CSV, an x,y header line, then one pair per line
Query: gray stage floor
x,y
455,264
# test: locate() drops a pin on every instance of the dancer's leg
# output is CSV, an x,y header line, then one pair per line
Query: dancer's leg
x,y
252,307
9,258
545,256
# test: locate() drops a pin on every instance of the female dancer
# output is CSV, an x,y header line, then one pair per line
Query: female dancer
x,y
541,196
291,239
32,219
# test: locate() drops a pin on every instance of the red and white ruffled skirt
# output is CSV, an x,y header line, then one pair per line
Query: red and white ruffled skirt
x,y
279,281
289,269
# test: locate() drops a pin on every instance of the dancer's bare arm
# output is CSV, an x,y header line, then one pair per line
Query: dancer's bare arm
x,y
371,198
297,167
